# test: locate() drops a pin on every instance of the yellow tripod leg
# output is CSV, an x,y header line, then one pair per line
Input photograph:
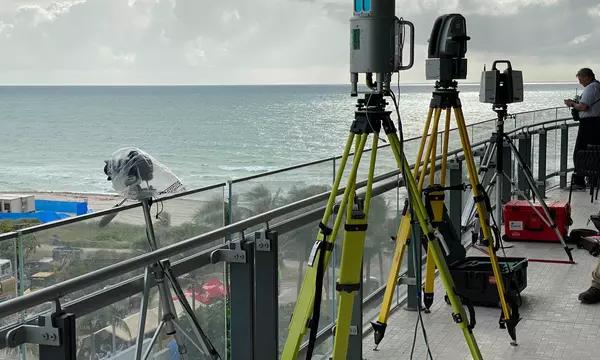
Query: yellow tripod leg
x,y
430,267
303,310
402,238
439,213
349,279
432,141
459,315
482,211
423,141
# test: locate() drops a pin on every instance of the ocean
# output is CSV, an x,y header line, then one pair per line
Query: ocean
x,y
56,138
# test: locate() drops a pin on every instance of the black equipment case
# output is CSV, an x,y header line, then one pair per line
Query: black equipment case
x,y
591,244
474,278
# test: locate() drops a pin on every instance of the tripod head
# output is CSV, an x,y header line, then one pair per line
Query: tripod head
x,y
376,44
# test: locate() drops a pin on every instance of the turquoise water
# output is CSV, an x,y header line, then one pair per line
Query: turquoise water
x,y
56,138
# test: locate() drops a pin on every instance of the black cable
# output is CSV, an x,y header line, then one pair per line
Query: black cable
x,y
419,309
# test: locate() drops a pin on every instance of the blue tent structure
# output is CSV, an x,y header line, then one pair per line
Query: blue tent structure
x,y
50,210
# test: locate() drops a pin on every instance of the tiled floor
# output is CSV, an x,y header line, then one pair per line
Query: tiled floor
x,y
554,324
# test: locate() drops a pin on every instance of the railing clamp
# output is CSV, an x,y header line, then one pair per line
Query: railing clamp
x,y
235,254
262,242
42,334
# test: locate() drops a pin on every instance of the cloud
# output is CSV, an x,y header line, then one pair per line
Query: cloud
x,y
6,29
38,14
595,11
580,39
267,41
113,57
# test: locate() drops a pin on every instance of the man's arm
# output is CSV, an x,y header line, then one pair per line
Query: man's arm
x,y
581,106
577,105
587,98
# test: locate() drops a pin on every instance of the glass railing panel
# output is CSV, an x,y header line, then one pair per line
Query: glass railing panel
x,y
61,253
481,132
187,216
258,195
294,250
379,245
10,273
111,332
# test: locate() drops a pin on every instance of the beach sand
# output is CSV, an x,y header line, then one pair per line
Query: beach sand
x,y
181,210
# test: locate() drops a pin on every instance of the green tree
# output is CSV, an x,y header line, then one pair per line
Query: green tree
x,y
117,314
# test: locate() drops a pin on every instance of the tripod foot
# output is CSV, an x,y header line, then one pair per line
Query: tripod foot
x,y
428,301
569,254
378,332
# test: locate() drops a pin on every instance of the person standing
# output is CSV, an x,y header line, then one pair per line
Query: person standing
x,y
589,114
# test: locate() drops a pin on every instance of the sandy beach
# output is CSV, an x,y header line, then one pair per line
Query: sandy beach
x,y
181,210
96,202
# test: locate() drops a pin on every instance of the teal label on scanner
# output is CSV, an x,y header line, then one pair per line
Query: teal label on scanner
x,y
355,39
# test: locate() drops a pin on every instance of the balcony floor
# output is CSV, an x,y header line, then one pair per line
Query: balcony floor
x,y
554,325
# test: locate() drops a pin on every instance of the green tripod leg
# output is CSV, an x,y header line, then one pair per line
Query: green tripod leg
x,y
303,316
349,280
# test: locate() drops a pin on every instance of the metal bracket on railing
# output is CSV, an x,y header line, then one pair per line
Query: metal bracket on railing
x,y
406,280
233,255
42,334
262,241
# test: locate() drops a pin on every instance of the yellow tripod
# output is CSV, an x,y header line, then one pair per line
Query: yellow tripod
x,y
444,98
370,117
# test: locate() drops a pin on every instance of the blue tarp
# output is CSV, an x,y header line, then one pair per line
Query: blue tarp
x,y
42,216
71,207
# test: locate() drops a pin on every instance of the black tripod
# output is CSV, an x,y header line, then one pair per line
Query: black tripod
x,y
496,144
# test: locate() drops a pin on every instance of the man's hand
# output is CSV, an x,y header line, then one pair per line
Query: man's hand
x,y
570,103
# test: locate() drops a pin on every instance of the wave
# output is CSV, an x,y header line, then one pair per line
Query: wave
x,y
248,168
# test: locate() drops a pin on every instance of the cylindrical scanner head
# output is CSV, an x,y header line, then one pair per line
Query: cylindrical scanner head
x,y
372,36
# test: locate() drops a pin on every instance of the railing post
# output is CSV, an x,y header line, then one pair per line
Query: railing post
x,y
241,292
525,151
564,149
506,169
266,330
68,339
229,215
455,197
542,146
413,271
20,281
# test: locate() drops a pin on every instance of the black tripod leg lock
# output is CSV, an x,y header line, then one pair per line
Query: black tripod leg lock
x,y
347,287
355,227
326,230
466,302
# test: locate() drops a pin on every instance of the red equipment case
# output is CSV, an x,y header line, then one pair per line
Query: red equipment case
x,y
522,223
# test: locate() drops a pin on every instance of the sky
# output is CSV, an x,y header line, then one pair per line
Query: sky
x,y
272,41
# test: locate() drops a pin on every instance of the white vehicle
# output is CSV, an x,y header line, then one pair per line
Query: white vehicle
x,y
8,283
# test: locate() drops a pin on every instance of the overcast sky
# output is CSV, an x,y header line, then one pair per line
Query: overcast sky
x,y
271,41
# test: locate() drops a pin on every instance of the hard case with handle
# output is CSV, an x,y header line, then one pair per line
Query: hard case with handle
x,y
522,222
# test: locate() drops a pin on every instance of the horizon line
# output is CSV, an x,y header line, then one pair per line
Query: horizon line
x,y
557,82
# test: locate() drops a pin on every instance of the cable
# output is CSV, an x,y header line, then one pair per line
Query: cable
x,y
419,308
